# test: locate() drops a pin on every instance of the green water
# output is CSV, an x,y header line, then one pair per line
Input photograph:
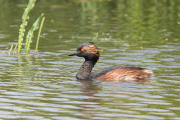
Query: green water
x,y
143,33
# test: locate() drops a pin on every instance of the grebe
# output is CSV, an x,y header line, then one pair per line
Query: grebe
x,y
90,52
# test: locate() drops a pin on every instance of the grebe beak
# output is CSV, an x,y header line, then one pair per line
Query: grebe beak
x,y
75,53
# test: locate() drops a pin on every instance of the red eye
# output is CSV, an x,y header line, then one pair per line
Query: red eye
x,y
82,49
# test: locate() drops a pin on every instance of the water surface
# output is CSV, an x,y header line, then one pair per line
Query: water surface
x,y
43,86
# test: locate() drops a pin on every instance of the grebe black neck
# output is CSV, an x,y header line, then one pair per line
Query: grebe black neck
x,y
90,52
84,72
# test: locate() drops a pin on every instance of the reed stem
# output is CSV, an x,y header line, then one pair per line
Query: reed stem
x,y
42,22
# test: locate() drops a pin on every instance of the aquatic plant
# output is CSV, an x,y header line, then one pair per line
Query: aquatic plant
x,y
95,38
25,17
30,34
42,22
10,50
34,27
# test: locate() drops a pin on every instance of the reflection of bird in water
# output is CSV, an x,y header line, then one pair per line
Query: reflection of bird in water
x,y
89,100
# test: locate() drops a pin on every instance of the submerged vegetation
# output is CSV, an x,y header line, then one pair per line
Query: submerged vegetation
x,y
129,18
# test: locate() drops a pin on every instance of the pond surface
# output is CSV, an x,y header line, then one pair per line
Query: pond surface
x,y
135,32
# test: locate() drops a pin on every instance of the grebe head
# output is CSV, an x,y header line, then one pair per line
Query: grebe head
x,y
88,50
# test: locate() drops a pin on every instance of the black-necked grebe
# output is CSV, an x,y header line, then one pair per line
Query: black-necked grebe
x,y
90,52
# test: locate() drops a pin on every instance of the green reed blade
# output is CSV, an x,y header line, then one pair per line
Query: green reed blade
x,y
30,34
25,17
15,48
95,37
10,50
42,21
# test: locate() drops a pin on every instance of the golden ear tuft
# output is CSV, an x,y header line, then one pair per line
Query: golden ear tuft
x,y
91,49
91,46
